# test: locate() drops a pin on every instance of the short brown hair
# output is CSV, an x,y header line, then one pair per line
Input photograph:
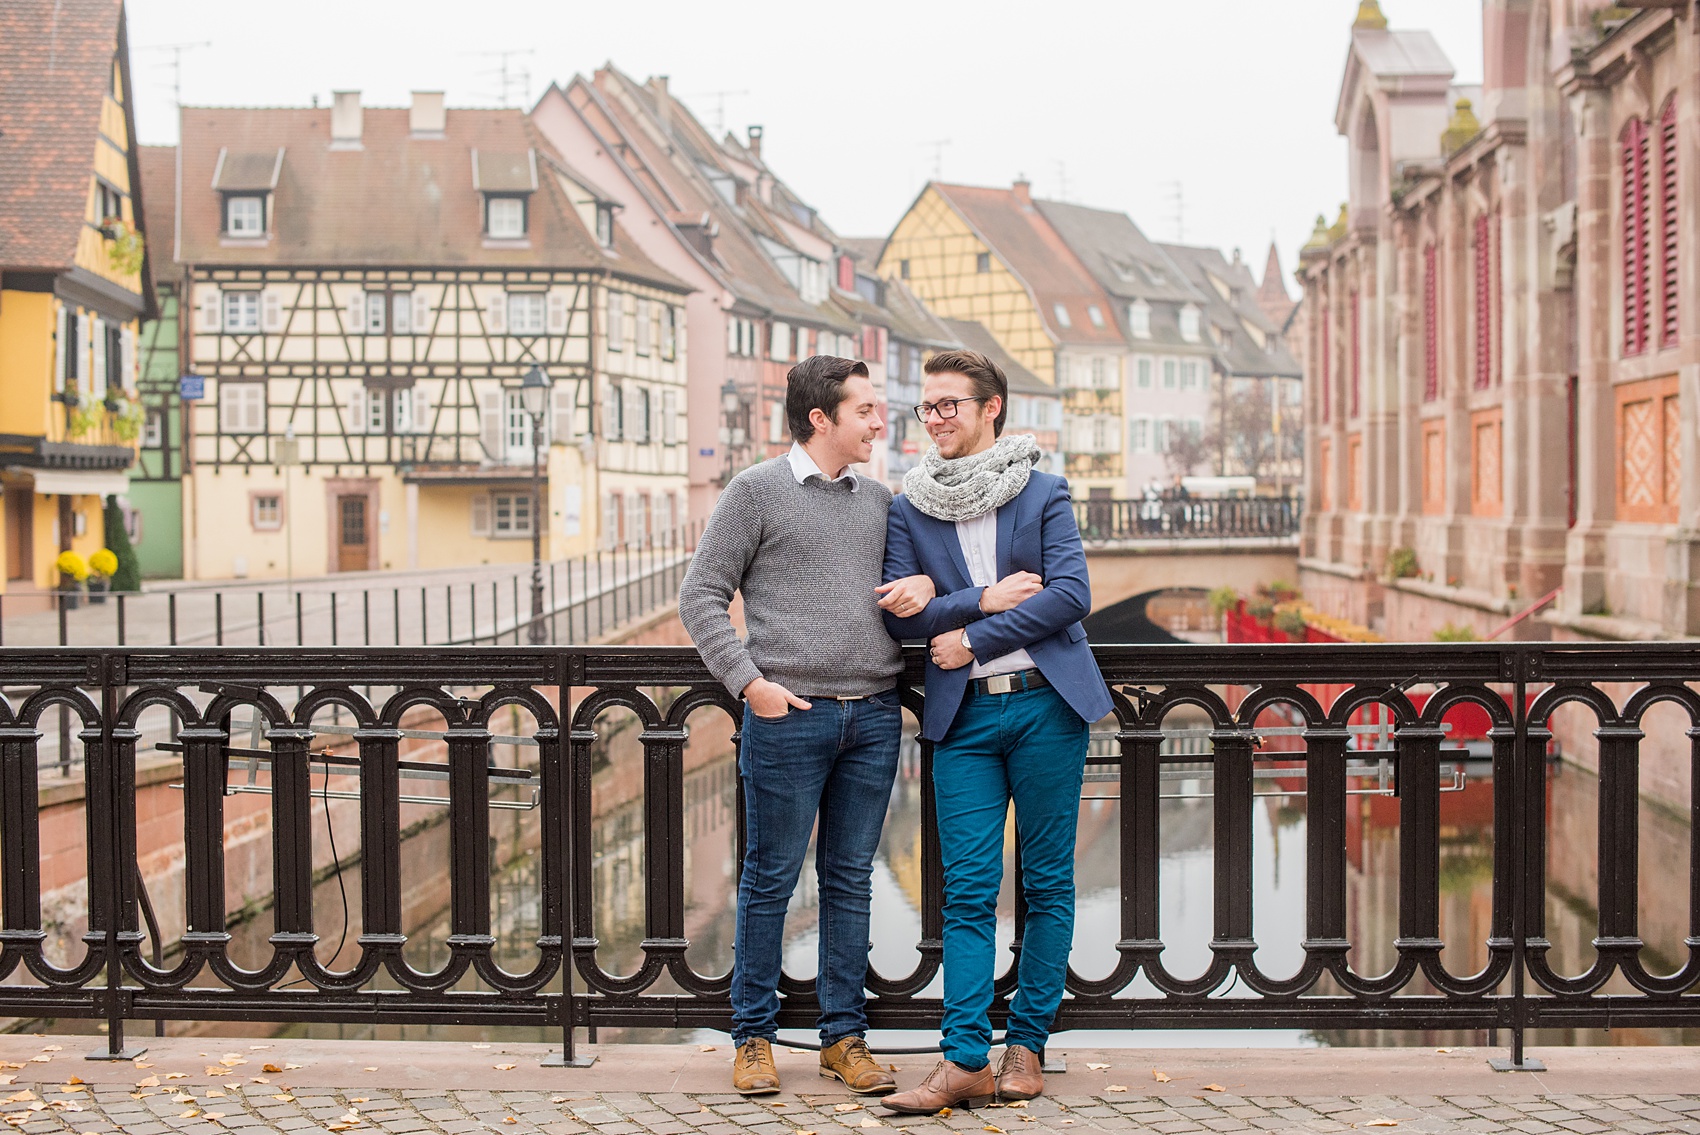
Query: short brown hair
x,y
988,380
817,383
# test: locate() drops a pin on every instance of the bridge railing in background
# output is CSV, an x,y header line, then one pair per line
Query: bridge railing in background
x,y
583,600
1493,972
1197,518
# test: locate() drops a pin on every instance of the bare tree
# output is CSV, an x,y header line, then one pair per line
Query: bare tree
x,y
1241,439
1187,449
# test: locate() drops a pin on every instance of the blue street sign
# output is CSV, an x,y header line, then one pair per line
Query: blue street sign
x,y
705,453
191,386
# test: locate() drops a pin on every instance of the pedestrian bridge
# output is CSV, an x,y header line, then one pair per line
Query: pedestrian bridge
x,y
1139,547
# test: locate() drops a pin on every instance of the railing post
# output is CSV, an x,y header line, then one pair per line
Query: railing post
x,y
1527,891
109,778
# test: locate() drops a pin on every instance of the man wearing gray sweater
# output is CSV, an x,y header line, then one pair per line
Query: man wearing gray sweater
x,y
803,538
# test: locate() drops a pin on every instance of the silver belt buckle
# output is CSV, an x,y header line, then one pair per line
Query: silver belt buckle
x,y
1000,683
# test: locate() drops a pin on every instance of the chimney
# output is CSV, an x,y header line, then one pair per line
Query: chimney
x,y
345,120
1024,192
755,141
663,102
427,118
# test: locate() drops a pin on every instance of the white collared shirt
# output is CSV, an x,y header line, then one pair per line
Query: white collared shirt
x,y
979,539
803,467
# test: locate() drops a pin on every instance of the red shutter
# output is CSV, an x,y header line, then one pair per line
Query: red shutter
x,y
1327,359
1431,329
1668,209
1357,376
1497,290
1484,307
1636,270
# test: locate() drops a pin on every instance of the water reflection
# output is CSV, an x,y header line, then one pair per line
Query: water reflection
x,y
1185,873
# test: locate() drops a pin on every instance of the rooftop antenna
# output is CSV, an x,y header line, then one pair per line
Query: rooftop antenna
x,y
176,65
719,98
506,74
1177,199
937,146
1062,181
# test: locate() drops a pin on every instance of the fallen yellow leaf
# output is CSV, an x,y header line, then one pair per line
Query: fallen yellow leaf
x,y
215,1092
184,1098
189,1113
259,1080
797,1051
20,1097
372,1068
7,1079
73,1079
177,1075
705,1048
148,1082
802,1133
989,1127
870,1121
289,1066
53,1048
231,1060
1214,1088
1116,1088
1097,1067
357,1099
257,1047
9,1064
480,1046
503,1067
1382,1123
217,1070
284,1096
944,1112
1016,1103
270,1068
1443,1050
510,1119
1160,1077
212,1115
846,1107
562,1099
79,1086
42,1059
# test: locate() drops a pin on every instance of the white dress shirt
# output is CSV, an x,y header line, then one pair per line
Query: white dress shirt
x,y
979,539
803,467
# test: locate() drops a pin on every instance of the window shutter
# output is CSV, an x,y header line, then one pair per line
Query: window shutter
x,y
401,411
1637,265
1669,290
1484,306
669,416
490,422
257,408
127,357
208,319
419,318
564,425
271,311
1431,330
357,410
612,412
421,410
732,336
481,514
98,370
557,312
401,313
496,314
355,317
61,343
84,349
1327,362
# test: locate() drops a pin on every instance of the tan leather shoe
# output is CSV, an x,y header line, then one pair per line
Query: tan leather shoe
x,y
849,1060
753,1073
948,1085
1020,1076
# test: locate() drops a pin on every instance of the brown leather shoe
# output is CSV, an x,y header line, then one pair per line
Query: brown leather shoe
x,y
1020,1076
849,1060
753,1073
948,1085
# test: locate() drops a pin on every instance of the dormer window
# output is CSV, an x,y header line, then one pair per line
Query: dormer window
x,y
605,225
1095,314
1189,324
1061,313
1139,319
504,217
246,181
245,215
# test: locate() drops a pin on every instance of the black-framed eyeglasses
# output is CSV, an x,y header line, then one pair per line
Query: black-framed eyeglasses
x,y
944,407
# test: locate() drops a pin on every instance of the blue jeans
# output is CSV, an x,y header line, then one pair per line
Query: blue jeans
x,y
836,760
1029,747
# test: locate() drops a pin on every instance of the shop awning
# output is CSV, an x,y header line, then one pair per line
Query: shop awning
x,y
76,482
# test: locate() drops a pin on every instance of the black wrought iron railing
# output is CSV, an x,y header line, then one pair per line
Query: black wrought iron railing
x,y
1312,701
1195,518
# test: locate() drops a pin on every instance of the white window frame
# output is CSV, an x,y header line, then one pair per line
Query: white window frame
x,y
504,218
1095,314
242,407
516,427
243,222
1139,319
528,313
241,313
377,402
1189,374
1139,435
1143,370
614,330
1061,314
511,515
260,524
377,310
153,429
1171,374
779,342
1190,330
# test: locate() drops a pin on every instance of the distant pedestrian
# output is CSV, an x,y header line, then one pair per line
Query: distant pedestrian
x,y
803,539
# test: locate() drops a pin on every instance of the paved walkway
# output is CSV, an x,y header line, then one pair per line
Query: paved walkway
x,y
209,1085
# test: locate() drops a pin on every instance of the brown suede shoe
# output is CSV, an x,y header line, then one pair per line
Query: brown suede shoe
x,y
849,1060
948,1085
753,1073
1019,1075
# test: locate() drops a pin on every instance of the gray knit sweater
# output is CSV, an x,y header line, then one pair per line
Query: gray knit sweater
x,y
807,559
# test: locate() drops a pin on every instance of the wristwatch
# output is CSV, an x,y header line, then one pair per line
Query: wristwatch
x,y
965,645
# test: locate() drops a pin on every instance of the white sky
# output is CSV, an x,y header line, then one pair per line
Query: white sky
x,y
1111,103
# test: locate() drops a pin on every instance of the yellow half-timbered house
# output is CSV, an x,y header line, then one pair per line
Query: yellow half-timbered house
x,y
73,281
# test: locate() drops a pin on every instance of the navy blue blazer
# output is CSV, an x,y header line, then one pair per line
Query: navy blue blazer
x,y
1036,533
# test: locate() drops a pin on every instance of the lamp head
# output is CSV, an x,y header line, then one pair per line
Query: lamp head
x,y
534,390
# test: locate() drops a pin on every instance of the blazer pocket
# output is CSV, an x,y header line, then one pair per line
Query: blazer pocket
x,y
1076,632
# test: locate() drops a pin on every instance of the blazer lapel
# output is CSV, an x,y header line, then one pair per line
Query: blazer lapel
x,y
1006,532
947,536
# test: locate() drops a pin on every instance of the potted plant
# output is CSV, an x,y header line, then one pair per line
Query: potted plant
x,y
103,565
73,569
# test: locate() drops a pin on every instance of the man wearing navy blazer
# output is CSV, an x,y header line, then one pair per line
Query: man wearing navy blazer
x,y
1012,690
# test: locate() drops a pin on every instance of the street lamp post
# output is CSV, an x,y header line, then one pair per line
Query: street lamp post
x,y
534,397
733,435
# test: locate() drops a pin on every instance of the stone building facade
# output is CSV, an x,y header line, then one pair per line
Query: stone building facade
x,y
1501,329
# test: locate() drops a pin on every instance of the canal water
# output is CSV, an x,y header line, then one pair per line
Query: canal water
x,y
1185,871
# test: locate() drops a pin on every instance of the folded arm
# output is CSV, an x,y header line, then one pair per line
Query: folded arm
x,y
1066,598
946,612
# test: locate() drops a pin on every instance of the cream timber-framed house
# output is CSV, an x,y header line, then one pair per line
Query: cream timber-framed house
x,y
364,290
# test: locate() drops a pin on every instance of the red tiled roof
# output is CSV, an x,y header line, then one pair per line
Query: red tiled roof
x,y
1021,237
55,67
397,201
159,180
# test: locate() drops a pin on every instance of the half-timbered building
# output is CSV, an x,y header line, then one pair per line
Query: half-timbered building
x,y
365,290
73,279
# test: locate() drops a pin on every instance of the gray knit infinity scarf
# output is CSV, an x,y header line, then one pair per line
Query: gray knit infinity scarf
x,y
966,487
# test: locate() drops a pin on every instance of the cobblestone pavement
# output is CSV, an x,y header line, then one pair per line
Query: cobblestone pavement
x,y
265,1102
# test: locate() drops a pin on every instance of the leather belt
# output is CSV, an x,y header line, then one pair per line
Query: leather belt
x,y
1009,683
